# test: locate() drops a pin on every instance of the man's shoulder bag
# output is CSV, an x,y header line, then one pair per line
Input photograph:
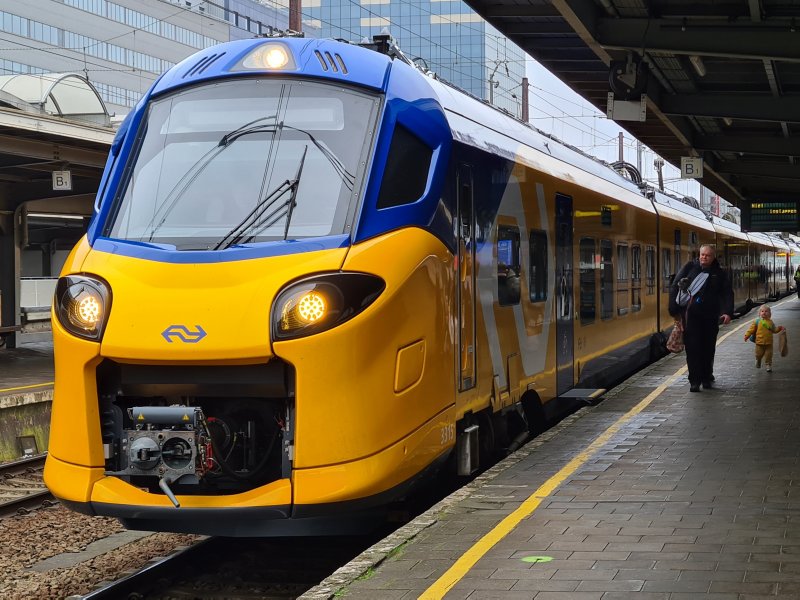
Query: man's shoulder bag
x,y
685,294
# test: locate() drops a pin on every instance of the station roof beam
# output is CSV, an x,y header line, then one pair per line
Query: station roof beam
x,y
724,78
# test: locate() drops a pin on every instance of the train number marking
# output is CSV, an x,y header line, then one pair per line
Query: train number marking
x,y
448,434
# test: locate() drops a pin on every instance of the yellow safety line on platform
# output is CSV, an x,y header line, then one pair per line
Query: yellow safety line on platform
x,y
26,387
467,560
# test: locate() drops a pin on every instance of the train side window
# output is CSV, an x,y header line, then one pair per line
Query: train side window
x,y
677,247
508,265
588,265
636,278
407,167
537,278
666,269
650,269
737,262
622,279
606,280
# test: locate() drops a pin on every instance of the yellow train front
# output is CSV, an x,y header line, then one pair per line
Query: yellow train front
x,y
245,342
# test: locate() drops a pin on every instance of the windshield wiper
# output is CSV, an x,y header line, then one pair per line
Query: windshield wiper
x,y
246,129
346,176
259,219
255,126
185,182
292,198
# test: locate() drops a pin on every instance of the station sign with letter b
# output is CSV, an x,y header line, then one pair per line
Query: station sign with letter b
x,y
691,167
62,180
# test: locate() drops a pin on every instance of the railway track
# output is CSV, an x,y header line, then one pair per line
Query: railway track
x,y
242,568
250,568
21,485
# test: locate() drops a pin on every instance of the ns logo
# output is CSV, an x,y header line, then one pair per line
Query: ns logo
x,y
183,334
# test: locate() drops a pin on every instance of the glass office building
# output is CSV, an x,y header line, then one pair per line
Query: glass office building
x,y
446,36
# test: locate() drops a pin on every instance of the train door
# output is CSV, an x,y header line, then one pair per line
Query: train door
x,y
564,300
465,287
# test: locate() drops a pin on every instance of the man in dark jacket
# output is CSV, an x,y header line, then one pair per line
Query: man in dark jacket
x,y
711,305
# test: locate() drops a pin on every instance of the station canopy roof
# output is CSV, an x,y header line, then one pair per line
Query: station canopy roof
x,y
51,122
67,95
721,77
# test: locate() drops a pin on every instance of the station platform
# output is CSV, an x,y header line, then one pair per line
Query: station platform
x,y
28,365
26,371
655,493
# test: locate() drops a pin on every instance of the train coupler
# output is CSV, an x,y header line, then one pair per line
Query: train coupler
x,y
164,444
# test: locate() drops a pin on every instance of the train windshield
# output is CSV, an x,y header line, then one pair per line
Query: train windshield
x,y
246,161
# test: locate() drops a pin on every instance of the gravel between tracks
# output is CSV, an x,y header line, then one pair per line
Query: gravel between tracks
x,y
29,539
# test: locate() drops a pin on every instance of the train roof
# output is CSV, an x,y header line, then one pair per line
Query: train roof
x,y
481,125
317,58
727,227
779,241
761,238
676,208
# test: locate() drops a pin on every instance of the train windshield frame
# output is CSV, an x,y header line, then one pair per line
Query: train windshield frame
x,y
246,161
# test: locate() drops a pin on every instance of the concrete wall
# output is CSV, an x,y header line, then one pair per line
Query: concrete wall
x,y
24,414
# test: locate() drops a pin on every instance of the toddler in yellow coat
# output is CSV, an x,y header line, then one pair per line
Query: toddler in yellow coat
x,y
763,328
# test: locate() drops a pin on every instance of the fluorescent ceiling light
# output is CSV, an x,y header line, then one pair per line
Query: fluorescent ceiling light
x,y
56,216
698,65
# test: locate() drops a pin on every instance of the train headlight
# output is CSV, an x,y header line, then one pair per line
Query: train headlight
x,y
81,305
321,302
302,309
272,56
311,307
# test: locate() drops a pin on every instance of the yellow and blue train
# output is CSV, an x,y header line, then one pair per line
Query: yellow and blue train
x,y
315,275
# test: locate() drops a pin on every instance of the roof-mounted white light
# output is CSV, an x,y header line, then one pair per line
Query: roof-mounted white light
x,y
698,65
271,56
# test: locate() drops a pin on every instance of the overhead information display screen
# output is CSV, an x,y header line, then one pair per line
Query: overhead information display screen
x,y
771,215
